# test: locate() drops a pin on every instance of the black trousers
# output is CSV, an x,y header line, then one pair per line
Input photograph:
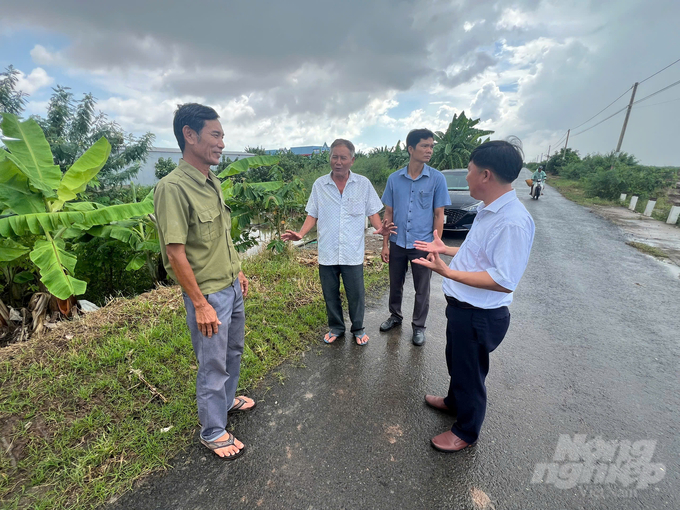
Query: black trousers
x,y
471,334
399,259
353,279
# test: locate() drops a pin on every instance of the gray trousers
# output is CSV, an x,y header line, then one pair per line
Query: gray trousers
x,y
219,359
399,259
353,279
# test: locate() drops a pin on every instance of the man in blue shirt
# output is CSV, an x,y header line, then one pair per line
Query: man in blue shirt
x,y
479,285
414,200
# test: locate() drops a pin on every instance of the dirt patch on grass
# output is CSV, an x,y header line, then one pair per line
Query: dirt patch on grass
x,y
118,313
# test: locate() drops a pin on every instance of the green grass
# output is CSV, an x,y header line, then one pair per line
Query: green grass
x,y
575,191
78,426
649,250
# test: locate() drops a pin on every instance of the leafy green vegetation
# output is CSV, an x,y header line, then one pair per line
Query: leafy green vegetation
x,y
78,418
600,179
41,206
453,147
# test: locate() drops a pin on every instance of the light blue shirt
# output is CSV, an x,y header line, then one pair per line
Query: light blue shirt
x,y
413,202
341,218
499,243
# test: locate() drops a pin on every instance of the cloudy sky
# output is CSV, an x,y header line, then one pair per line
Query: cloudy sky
x,y
305,72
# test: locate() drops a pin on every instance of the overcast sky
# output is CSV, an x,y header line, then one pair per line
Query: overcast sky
x,y
305,72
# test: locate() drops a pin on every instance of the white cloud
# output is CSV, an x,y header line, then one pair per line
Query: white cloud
x,y
31,83
489,103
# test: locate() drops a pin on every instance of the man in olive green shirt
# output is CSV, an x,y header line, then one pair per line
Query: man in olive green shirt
x,y
194,227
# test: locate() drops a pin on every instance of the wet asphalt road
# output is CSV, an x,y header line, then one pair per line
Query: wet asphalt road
x,y
593,348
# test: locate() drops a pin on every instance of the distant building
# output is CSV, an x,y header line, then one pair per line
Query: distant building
x,y
147,174
306,150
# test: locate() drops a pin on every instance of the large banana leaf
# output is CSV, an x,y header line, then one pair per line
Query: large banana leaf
x,y
30,151
88,165
247,163
33,223
10,250
56,267
123,233
14,190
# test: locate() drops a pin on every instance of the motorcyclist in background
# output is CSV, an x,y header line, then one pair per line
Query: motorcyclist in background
x,y
539,174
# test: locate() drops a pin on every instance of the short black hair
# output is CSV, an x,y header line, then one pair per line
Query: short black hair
x,y
502,158
416,136
193,115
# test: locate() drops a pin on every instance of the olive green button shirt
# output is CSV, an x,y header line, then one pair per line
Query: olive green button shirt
x,y
190,210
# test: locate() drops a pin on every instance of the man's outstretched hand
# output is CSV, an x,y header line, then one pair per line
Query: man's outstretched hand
x,y
433,262
436,246
290,235
386,229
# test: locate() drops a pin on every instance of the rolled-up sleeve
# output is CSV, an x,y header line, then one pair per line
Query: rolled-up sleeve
x,y
172,214
508,251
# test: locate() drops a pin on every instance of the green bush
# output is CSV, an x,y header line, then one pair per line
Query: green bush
x,y
101,263
560,160
376,168
644,181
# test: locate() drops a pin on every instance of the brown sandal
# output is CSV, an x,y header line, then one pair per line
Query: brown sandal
x,y
239,402
216,445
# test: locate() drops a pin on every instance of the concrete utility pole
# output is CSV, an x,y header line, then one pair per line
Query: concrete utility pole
x,y
565,143
548,156
625,122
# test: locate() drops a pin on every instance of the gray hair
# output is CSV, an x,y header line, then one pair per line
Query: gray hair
x,y
344,143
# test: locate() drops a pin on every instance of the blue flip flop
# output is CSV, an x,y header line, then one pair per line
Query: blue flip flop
x,y
330,337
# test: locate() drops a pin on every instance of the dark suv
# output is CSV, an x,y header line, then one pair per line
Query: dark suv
x,y
463,209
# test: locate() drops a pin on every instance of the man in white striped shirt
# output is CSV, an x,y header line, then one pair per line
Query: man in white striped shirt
x,y
340,202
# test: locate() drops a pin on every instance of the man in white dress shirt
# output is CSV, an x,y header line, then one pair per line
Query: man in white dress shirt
x,y
340,202
479,285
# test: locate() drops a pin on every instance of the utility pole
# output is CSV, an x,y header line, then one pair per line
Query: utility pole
x,y
565,143
548,156
625,122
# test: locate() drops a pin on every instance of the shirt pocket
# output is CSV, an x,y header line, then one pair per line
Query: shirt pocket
x,y
355,208
425,199
470,251
209,224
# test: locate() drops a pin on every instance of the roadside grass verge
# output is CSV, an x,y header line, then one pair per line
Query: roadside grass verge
x,y
574,190
647,249
79,420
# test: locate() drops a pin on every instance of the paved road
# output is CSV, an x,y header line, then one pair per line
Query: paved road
x,y
592,349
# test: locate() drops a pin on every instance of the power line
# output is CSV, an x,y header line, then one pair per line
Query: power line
x,y
591,127
603,109
652,76
657,104
559,141
657,92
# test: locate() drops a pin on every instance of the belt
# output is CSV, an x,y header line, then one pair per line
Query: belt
x,y
460,304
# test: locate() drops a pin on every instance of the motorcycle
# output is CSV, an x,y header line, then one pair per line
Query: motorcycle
x,y
537,189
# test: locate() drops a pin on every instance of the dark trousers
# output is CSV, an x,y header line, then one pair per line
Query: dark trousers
x,y
353,279
399,259
471,334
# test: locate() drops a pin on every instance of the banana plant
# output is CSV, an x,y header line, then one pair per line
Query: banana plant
x,y
453,148
39,203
